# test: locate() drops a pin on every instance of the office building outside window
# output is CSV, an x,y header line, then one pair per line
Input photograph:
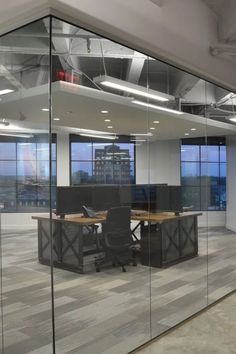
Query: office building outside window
x,y
102,163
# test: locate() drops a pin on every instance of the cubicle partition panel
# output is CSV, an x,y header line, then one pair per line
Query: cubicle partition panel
x,y
117,193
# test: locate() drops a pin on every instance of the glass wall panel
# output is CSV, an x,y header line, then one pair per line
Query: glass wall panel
x,y
100,274
178,230
220,166
24,189
137,168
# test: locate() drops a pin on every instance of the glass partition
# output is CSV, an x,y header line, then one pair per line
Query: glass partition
x,y
119,169
220,172
108,290
24,188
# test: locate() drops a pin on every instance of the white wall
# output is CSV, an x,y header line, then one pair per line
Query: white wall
x,y
231,183
158,162
212,219
18,221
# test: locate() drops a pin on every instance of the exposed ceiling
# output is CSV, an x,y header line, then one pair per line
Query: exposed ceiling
x,y
24,67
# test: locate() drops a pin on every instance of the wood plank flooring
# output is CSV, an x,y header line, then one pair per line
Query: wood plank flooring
x,y
106,312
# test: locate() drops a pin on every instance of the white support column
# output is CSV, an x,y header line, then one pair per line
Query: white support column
x,y
63,160
231,183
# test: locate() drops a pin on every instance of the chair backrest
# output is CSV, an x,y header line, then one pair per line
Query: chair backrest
x,y
117,227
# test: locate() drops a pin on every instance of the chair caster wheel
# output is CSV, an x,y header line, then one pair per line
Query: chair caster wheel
x,y
123,269
97,270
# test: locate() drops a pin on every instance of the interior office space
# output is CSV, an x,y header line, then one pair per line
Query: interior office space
x,y
103,125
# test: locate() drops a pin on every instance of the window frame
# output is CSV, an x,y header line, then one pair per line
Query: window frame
x,y
37,139
201,142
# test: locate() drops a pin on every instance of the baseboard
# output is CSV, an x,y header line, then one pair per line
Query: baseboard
x,y
230,227
18,227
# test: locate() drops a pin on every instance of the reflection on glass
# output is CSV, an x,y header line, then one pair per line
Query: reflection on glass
x,y
26,170
26,151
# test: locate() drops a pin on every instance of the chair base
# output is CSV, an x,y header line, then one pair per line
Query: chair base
x,y
115,262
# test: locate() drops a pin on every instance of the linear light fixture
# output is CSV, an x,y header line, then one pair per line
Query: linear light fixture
x,y
160,108
99,136
4,92
232,119
28,136
125,86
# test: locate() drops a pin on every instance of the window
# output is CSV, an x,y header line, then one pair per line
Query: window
x,y
102,162
24,173
203,173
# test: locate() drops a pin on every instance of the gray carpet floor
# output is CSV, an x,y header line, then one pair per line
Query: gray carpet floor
x,y
108,312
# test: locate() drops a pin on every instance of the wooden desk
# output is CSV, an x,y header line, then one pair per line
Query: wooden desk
x,y
73,240
168,239
165,239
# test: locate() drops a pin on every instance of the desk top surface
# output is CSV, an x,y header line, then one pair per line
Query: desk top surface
x,y
101,218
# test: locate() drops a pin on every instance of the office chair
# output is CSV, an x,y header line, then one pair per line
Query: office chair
x,y
116,239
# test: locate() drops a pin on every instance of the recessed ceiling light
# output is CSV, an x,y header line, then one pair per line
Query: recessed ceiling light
x,y
152,128
45,109
156,122
104,112
56,118
4,92
109,126
107,120
186,133
193,129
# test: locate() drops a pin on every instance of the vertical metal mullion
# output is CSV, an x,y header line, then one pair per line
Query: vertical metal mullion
x,y
50,185
200,174
1,285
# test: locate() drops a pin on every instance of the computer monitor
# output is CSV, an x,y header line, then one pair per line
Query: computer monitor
x,y
69,200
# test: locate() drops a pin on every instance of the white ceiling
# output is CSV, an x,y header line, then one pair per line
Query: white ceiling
x,y
80,107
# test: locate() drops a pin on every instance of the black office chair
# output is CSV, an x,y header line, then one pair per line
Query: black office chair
x,y
116,239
